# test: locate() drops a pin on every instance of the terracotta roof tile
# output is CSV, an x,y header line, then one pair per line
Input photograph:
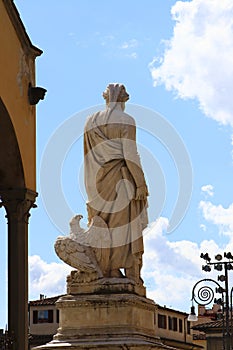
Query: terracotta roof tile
x,y
45,301
209,325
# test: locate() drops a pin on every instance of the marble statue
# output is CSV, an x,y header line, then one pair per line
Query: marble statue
x,y
117,197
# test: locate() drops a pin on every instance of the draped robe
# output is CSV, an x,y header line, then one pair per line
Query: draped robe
x,y
112,174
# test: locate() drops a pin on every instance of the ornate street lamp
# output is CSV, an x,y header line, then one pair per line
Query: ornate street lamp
x,y
203,293
192,317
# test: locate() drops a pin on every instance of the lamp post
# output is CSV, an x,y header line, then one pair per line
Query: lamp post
x,y
203,293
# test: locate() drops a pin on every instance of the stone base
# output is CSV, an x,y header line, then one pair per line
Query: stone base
x,y
122,344
103,286
112,319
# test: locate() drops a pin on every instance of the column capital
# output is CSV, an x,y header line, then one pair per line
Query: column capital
x,y
17,202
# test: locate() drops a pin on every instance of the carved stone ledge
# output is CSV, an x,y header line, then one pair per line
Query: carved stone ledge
x,y
109,300
122,344
103,286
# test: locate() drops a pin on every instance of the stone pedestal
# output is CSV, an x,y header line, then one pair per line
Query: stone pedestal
x,y
113,317
77,285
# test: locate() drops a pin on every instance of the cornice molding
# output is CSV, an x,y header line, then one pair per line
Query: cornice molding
x,y
20,30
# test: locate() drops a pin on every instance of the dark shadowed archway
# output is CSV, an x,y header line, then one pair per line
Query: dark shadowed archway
x,y
17,201
11,168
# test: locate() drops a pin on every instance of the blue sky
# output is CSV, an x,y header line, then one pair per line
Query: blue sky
x,y
174,57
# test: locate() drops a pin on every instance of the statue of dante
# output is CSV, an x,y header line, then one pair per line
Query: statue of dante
x,y
115,183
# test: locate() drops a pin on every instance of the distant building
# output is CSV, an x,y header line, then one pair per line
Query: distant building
x,y
171,325
213,332
209,327
43,320
174,329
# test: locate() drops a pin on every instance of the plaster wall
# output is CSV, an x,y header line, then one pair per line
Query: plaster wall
x,y
17,70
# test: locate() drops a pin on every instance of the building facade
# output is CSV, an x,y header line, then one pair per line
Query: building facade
x,y
174,329
43,320
211,327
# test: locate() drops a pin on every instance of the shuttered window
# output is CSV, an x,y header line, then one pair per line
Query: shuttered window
x,y
42,316
162,321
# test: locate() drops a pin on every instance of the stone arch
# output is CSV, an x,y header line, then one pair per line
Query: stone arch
x,y
11,167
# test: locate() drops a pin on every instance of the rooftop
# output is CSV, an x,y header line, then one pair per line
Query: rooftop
x,y
45,301
218,324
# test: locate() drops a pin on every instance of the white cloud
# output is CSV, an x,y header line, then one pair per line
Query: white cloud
x,y
203,227
107,40
133,55
46,278
208,189
218,215
197,61
127,47
178,255
129,44
171,268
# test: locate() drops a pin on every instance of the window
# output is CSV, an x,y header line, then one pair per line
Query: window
x,y
43,316
162,321
180,326
172,323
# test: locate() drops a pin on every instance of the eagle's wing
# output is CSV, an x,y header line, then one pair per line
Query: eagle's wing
x,y
75,254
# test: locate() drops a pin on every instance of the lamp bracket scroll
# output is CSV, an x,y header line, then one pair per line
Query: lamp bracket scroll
x,y
204,293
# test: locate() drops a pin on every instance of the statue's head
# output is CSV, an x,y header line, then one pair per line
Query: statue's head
x,y
115,92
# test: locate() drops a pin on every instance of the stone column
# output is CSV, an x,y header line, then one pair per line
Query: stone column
x,y
17,203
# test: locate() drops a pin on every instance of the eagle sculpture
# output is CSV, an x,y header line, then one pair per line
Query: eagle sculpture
x,y
87,251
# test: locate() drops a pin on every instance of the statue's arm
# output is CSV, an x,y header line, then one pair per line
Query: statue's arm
x,y
132,160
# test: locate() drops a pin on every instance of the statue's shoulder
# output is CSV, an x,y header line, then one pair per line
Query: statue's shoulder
x,y
127,119
91,118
